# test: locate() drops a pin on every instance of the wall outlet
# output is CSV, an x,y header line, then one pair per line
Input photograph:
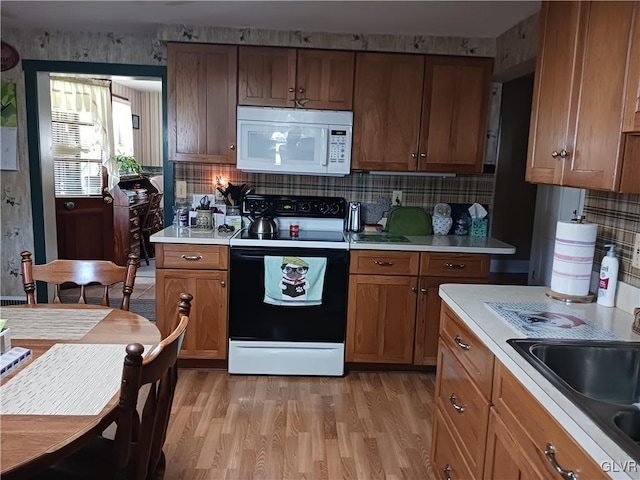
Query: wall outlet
x,y
396,198
181,189
635,256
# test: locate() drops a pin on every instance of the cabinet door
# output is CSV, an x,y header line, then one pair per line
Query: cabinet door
x,y
381,317
325,79
202,102
427,324
632,97
552,90
594,142
504,456
266,76
454,114
386,111
206,336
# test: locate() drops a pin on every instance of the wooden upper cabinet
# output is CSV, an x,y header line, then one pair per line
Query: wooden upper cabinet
x,y
454,114
266,76
386,111
202,102
579,92
289,77
632,102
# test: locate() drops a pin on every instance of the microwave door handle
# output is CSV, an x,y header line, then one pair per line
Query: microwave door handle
x,y
325,161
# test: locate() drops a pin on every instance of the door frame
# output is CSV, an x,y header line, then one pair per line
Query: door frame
x,y
31,69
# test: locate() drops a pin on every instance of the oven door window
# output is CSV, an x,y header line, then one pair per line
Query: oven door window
x,y
251,318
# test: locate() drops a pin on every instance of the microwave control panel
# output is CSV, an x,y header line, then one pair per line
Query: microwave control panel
x,y
339,145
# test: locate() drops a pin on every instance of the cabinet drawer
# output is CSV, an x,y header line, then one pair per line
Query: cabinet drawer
x,y
474,356
447,457
455,265
384,263
533,428
464,407
199,257
137,211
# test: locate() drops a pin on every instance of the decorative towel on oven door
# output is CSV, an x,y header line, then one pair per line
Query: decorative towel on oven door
x,y
294,281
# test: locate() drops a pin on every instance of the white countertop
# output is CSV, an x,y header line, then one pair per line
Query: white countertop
x,y
431,243
468,302
190,235
437,243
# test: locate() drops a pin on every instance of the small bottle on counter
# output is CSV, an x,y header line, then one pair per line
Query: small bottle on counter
x,y
608,278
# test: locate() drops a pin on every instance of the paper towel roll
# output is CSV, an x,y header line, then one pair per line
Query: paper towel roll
x,y
573,258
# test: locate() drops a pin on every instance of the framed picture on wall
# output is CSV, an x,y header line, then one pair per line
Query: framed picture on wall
x,y
136,121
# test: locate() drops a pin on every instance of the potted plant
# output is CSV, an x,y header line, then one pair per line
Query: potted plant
x,y
128,163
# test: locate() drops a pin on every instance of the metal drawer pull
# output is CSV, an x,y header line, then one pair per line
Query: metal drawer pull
x,y
454,265
550,453
452,401
447,470
192,258
384,264
463,346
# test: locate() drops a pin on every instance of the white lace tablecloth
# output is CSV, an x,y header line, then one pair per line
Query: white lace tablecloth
x,y
69,379
52,323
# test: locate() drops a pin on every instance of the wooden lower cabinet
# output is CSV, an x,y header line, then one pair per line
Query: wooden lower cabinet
x,y
502,431
381,318
393,298
206,337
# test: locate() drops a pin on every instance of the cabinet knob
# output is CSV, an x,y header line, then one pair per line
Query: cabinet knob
x,y
447,471
423,290
414,289
423,155
223,283
550,453
232,147
414,155
300,90
452,401
69,205
291,89
562,154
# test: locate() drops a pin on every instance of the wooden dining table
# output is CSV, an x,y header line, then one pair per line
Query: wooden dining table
x,y
31,442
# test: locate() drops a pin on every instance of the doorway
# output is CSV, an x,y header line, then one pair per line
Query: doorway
x,y
41,178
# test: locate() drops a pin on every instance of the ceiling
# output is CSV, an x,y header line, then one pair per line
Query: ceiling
x,y
462,18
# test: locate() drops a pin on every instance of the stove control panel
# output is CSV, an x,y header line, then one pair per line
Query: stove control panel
x,y
294,206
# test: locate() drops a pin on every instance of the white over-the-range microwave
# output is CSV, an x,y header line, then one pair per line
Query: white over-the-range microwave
x,y
294,141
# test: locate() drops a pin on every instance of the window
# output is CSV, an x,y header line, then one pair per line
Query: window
x,y
122,126
77,154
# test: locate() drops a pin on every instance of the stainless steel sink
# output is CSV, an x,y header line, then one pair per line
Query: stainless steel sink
x,y
602,378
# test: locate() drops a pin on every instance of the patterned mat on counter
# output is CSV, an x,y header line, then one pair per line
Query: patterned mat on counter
x,y
548,320
51,323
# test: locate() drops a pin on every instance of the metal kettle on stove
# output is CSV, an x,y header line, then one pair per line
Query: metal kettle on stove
x,y
263,225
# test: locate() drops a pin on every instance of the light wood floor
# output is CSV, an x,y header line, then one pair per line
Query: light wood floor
x,y
365,426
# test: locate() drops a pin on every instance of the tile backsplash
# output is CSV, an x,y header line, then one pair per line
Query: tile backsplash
x,y
417,191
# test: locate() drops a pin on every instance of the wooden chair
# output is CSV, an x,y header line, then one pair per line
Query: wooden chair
x,y
152,222
136,451
82,273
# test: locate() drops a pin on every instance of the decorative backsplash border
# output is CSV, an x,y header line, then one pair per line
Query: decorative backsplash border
x,y
417,191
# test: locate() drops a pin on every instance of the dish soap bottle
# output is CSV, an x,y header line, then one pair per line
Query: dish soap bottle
x,y
608,278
